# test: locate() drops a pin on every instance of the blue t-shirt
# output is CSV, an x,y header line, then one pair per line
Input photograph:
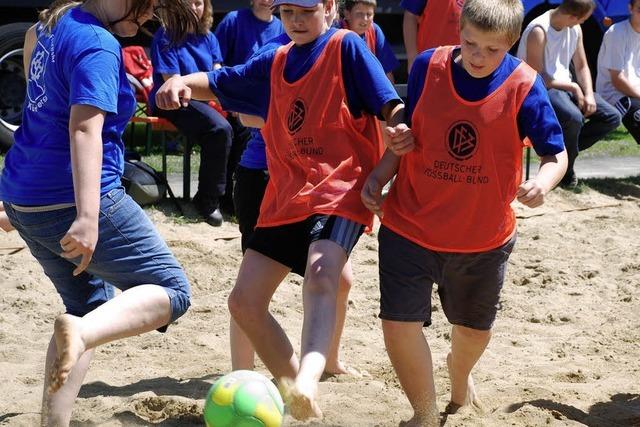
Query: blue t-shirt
x,y
536,118
414,6
383,51
79,63
198,52
246,88
241,34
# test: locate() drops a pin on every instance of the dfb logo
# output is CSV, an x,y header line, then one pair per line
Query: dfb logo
x,y
295,118
462,140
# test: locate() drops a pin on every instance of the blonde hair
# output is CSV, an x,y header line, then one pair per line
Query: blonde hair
x,y
175,16
205,23
495,16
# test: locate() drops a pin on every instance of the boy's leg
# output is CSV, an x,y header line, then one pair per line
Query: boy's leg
x,y
258,279
334,364
467,345
325,263
410,356
571,120
605,119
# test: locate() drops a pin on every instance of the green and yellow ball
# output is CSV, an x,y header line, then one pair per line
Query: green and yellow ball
x,y
243,399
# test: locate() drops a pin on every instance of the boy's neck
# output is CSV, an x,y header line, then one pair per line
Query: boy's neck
x,y
557,20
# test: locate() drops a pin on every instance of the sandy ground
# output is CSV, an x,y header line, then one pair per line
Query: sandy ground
x,y
566,347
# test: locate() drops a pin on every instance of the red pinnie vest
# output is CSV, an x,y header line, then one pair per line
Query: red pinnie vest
x,y
439,24
318,153
453,192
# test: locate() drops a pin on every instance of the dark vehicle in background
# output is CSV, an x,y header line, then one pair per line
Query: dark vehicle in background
x,y
17,16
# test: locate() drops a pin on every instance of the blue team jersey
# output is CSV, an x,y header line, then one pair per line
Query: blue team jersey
x,y
246,88
414,6
241,34
78,63
198,52
384,53
536,118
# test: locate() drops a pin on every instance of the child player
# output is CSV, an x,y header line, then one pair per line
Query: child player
x,y
447,218
319,97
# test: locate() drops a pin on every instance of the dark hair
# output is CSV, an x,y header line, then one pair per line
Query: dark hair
x,y
577,8
349,4
175,16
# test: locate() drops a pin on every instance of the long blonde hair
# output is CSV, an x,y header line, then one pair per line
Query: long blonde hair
x,y
175,16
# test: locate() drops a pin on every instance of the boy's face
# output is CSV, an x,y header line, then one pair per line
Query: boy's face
x,y
305,24
360,17
481,52
261,5
634,9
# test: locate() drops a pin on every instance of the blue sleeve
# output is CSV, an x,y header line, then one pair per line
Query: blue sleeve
x,y
216,53
368,88
95,80
225,34
538,121
244,88
164,58
416,81
384,53
414,6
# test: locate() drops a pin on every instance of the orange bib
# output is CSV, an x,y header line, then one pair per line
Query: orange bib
x,y
453,192
369,35
439,24
318,154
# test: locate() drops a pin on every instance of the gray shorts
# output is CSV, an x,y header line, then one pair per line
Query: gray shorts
x,y
469,284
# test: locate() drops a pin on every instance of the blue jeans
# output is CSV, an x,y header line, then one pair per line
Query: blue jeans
x,y
579,132
129,252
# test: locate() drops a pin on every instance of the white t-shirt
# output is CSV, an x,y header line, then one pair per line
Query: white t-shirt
x,y
558,50
620,50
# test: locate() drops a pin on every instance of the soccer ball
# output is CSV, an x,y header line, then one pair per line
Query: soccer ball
x,y
243,399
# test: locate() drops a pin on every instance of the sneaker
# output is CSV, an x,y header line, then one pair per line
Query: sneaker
x,y
208,208
570,180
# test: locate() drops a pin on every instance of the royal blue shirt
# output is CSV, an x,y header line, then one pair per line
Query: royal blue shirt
x,y
246,88
384,53
198,52
241,34
79,63
414,6
536,118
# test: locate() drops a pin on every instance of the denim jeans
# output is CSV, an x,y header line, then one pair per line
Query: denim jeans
x,y
129,252
213,133
579,132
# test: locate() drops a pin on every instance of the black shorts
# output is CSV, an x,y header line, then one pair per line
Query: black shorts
x,y
248,192
469,284
289,244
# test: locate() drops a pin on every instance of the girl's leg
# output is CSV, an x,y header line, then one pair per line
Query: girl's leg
x,y
137,310
242,353
334,364
325,263
258,279
410,356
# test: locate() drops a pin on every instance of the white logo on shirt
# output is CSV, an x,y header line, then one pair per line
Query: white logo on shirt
x,y
36,85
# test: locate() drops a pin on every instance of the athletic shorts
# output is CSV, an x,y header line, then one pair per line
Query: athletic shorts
x,y
289,244
469,284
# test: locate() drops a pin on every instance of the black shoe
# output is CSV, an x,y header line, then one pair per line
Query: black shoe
x,y
227,206
570,181
208,208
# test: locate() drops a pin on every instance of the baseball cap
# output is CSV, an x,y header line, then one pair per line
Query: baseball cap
x,y
301,3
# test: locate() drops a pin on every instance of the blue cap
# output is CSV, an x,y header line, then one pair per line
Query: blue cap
x,y
301,3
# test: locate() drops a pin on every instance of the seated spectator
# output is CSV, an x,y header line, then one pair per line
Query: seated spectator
x,y
357,16
198,120
619,69
428,24
550,43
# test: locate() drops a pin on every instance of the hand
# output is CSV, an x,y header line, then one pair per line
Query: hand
x,y
578,95
173,94
589,105
531,194
371,195
80,241
400,140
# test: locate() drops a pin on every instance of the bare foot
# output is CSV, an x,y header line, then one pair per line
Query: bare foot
x,y
471,399
69,346
333,369
430,418
300,401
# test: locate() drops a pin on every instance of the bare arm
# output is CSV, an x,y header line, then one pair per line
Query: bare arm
x,y
179,90
621,83
85,134
531,193
29,44
583,75
410,34
536,42
371,194
250,121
